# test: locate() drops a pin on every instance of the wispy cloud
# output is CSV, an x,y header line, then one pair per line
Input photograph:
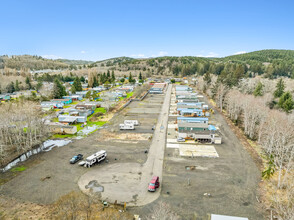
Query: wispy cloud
x,y
53,57
141,55
83,51
138,56
210,54
160,54
240,52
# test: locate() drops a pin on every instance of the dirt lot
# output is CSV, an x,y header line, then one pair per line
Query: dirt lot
x,y
127,182
226,185
31,186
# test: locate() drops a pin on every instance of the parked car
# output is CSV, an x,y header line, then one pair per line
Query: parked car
x,y
154,184
76,158
180,139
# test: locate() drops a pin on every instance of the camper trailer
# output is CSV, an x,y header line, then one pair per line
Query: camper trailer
x,y
94,158
126,127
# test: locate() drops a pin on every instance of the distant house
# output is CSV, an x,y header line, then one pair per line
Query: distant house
x,y
81,112
85,86
157,88
82,93
67,119
73,97
5,97
192,112
59,128
110,96
64,101
192,127
99,88
189,105
125,89
46,106
87,106
183,88
192,120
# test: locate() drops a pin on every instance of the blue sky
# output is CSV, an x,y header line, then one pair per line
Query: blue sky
x,y
96,30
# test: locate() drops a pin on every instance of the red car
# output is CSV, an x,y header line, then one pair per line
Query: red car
x,y
154,183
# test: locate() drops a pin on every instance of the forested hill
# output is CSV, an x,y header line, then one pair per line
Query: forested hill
x,y
264,56
30,62
75,62
269,63
112,61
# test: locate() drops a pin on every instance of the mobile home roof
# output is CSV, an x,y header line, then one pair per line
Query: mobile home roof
x,y
191,119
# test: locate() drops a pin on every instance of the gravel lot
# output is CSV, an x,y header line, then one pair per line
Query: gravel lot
x,y
63,177
231,180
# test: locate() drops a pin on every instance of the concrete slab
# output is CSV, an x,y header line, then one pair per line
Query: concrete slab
x,y
177,146
171,140
172,126
187,150
145,110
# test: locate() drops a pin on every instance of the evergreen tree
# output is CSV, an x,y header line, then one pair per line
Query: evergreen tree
x,y
10,87
140,76
286,102
131,80
112,76
95,81
108,75
83,79
279,88
17,85
39,85
258,90
103,78
73,89
28,82
77,84
58,90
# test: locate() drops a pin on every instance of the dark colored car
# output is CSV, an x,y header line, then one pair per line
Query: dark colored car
x,y
154,183
76,158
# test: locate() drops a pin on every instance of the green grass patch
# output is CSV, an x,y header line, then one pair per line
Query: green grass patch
x,y
60,136
55,120
129,94
74,103
66,106
97,123
18,169
103,110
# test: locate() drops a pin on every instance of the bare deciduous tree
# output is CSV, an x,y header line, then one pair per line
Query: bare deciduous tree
x,y
21,128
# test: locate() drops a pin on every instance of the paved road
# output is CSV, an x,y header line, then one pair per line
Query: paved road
x,y
128,182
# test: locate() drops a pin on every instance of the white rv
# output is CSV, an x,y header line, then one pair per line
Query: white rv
x,y
133,122
94,158
126,127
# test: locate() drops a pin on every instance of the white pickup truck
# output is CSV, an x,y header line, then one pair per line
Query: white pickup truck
x,y
126,127
131,122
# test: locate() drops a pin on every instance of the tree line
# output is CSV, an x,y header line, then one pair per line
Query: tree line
x,y
270,128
